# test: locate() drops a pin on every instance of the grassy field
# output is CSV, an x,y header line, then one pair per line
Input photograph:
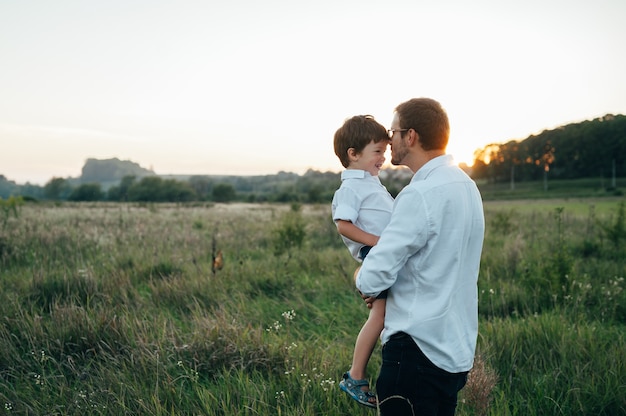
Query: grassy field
x,y
553,189
111,309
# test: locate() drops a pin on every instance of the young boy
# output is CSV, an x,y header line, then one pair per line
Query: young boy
x,y
361,209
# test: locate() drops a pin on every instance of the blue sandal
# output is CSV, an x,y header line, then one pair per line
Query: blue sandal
x,y
353,388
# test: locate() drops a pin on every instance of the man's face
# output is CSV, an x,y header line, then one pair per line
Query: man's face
x,y
399,149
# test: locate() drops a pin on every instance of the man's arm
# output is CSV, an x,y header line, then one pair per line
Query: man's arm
x,y
406,234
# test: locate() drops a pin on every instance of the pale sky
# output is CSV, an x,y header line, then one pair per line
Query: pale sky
x,y
250,87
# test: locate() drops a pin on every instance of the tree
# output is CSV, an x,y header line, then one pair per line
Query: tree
x,y
120,192
223,192
148,189
57,189
202,185
87,192
155,189
177,191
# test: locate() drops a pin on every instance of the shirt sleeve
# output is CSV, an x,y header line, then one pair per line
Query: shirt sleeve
x,y
346,205
405,235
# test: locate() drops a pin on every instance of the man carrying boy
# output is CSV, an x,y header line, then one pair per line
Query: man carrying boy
x,y
428,257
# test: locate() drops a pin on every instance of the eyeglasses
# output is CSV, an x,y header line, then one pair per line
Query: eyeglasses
x,y
391,132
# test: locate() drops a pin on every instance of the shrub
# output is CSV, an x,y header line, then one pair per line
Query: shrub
x,y
290,233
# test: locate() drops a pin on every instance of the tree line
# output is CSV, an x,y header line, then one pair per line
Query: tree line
x,y
593,148
312,187
590,149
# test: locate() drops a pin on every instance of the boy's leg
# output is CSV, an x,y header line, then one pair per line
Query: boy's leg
x,y
365,343
367,339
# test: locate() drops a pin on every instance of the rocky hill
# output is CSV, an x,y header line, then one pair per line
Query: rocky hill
x,y
111,170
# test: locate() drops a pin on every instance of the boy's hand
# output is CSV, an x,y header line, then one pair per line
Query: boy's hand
x,y
369,300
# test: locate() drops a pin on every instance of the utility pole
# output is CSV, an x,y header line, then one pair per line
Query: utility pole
x,y
512,177
613,184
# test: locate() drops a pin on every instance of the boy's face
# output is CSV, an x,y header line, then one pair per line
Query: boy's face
x,y
371,159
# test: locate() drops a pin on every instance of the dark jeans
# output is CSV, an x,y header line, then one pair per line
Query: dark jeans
x,y
409,384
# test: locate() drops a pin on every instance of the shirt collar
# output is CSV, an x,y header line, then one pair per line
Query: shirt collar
x,y
431,165
355,174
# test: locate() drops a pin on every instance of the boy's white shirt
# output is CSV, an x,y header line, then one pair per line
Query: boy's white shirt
x,y
364,201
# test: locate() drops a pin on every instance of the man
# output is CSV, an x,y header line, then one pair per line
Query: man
x,y
428,257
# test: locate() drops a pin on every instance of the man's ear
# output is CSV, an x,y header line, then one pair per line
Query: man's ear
x,y
413,138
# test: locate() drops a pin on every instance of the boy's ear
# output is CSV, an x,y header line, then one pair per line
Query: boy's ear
x,y
352,154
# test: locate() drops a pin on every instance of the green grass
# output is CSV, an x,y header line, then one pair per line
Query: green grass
x,y
556,189
114,309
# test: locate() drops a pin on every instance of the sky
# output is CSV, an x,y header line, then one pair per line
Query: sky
x,y
248,87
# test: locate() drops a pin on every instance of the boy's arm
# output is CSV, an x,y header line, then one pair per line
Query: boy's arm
x,y
354,233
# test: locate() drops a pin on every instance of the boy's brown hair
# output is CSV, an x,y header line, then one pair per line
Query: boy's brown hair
x,y
357,132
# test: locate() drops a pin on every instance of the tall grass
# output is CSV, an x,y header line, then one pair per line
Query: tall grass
x,y
117,309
